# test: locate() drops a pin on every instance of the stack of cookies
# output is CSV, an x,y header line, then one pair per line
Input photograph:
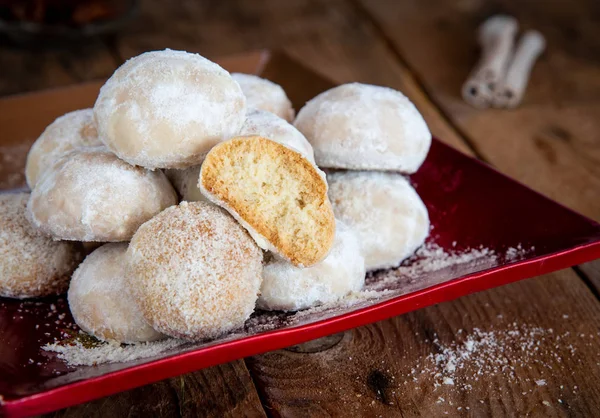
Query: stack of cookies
x,y
202,201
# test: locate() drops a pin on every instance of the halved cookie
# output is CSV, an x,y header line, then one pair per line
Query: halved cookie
x,y
275,193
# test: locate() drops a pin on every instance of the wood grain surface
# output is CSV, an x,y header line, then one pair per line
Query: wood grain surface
x,y
222,391
426,50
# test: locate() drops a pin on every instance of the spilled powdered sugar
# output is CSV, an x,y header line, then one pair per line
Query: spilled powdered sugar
x,y
516,253
530,361
80,355
484,352
430,258
479,355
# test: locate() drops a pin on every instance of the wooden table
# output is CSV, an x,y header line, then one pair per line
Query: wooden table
x,y
426,50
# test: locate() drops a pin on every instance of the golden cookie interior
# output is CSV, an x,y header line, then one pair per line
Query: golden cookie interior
x,y
275,193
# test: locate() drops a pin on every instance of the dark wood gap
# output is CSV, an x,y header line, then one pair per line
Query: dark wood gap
x,y
592,271
587,279
259,391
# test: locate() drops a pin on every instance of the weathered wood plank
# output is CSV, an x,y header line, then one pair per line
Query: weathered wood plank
x,y
221,391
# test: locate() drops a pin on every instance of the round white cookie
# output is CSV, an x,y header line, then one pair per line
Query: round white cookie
x,y
386,212
70,131
364,127
265,95
100,299
32,264
91,195
167,109
270,126
195,272
290,288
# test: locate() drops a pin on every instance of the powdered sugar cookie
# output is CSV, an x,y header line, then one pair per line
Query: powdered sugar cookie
x,y
91,195
386,212
290,288
265,95
275,193
364,127
210,281
100,299
166,109
270,126
73,130
32,265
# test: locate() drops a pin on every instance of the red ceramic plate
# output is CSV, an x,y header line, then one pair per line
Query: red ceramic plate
x,y
470,205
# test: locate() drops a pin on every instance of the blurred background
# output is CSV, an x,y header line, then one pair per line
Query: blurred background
x,y
55,42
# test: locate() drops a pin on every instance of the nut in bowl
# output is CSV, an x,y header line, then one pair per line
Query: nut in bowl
x,y
210,284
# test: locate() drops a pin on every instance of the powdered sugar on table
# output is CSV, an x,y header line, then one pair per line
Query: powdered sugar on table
x,y
79,355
